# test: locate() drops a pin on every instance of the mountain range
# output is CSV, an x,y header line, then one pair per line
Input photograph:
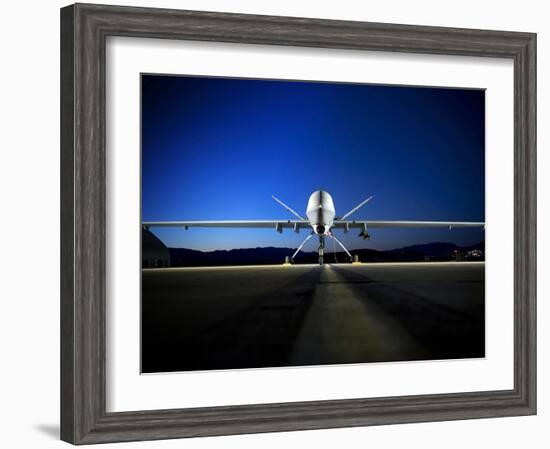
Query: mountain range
x,y
436,251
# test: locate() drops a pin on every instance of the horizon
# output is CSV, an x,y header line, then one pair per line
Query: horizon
x,y
339,251
218,148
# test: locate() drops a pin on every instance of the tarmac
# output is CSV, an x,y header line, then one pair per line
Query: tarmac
x,y
277,315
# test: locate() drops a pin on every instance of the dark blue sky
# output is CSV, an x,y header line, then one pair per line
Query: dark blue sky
x,y
217,148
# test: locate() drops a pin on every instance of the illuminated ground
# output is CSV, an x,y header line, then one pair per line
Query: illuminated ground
x,y
243,317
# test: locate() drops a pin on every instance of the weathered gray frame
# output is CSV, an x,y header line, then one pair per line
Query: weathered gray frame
x,y
84,28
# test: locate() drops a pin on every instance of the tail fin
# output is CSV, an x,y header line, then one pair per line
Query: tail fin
x,y
292,211
359,206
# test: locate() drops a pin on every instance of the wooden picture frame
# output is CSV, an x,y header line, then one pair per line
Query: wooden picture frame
x,y
84,29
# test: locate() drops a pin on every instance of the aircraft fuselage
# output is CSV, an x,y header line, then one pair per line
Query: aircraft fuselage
x,y
320,212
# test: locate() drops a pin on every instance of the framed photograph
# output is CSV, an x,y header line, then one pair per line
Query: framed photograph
x,y
274,223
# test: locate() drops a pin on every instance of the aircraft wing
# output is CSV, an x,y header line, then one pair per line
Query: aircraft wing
x,y
360,224
278,225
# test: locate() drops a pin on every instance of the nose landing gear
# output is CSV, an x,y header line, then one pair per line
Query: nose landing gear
x,y
321,249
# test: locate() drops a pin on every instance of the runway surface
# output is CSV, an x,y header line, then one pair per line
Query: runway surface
x,y
266,316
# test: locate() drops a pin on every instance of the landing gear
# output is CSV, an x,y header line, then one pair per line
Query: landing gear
x,y
343,247
300,247
321,249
